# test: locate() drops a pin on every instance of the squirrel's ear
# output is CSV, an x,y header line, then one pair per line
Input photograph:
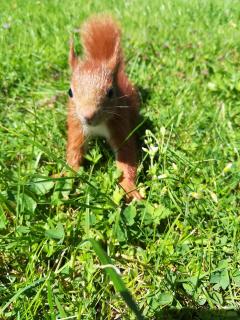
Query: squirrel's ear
x,y
72,58
116,59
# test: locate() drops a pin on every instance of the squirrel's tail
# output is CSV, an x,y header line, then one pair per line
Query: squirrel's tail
x,y
101,39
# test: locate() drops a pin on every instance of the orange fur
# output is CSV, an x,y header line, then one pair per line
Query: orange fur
x,y
104,99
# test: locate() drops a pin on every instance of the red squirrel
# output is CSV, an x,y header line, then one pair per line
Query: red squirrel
x,y
102,100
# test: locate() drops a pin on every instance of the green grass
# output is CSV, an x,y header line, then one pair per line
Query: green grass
x,y
179,249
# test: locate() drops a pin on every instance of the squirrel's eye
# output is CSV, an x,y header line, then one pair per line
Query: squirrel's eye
x,y
70,93
110,93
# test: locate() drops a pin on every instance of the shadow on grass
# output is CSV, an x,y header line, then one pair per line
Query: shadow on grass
x,y
197,314
145,95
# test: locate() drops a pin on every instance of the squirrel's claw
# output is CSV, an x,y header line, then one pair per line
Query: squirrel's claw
x,y
131,191
133,195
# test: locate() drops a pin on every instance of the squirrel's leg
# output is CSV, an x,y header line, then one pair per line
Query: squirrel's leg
x,y
75,143
127,163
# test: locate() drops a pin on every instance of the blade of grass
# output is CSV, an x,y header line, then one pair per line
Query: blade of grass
x,y
116,279
21,291
60,308
50,300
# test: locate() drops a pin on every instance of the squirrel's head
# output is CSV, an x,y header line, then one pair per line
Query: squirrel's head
x,y
93,90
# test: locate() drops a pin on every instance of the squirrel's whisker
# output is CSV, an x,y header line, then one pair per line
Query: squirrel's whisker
x,y
126,95
122,107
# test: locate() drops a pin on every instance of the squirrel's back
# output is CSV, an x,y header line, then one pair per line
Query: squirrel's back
x,y
101,38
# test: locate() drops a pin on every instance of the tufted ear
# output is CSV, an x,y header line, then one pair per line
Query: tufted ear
x,y
72,58
116,59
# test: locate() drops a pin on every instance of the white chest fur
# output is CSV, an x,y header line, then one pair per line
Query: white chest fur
x,y
99,130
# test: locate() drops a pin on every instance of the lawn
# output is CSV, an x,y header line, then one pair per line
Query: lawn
x,y
178,251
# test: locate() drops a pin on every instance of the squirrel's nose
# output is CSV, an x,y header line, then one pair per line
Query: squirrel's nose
x,y
89,118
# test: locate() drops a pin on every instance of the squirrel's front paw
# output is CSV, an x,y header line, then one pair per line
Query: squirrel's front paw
x,y
131,190
133,195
